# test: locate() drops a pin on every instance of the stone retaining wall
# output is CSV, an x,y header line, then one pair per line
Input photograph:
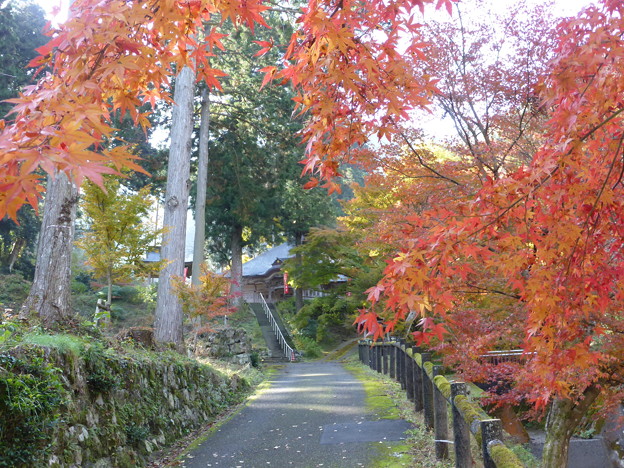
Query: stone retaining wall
x,y
227,344
115,408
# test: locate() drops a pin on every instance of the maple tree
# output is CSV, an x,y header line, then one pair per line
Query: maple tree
x,y
544,236
210,298
115,55
106,57
117,236
488,63
21,25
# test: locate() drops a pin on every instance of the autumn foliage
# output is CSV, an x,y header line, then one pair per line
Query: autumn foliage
x,y
209,299
545,239
114,56
108,57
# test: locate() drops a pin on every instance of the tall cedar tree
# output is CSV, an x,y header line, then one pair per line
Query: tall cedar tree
x,y
255,192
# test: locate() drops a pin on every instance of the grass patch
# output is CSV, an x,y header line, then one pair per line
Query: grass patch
x,y
253,375
62,342
394,455
377,399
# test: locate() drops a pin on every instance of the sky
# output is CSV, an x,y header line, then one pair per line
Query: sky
x,y
563,7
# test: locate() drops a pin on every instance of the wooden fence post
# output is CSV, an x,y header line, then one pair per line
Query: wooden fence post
x,y
399,354
378,345
401,376
385,357
399,361
392,356
373,355
491,430
409,373
427,390
461,431
405,365
418,385
440,419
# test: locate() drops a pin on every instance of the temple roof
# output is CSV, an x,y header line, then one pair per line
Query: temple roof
x,y
266,261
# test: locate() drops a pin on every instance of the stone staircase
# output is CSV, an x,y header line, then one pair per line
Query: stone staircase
x,y
275,351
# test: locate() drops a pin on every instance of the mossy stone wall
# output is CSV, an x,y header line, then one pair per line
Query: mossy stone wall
x,y
228,344
114,408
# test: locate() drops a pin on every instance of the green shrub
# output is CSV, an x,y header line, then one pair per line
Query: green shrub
x,y
130,294
118,313
85,278
324,318
31,395
13,290
10,331
308,346
100,379
147,294
78,288
305,323
136,434
84,304
286,307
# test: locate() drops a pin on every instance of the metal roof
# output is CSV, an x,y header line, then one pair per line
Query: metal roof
x,y
261,264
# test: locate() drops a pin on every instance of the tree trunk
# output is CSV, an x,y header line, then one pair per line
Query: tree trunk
x,y
202,182
298,291
50,294
18,246
109,281
236,271
563,418
169,317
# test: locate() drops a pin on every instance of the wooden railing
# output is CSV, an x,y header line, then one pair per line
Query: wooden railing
x,y
289,352
510,355
431,393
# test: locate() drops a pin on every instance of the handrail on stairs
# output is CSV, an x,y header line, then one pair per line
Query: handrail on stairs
x,y
289,352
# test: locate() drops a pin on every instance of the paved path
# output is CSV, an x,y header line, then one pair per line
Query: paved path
x,y
312,415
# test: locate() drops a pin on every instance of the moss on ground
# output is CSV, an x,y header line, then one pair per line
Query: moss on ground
x,y
377,400
342,351
386,400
